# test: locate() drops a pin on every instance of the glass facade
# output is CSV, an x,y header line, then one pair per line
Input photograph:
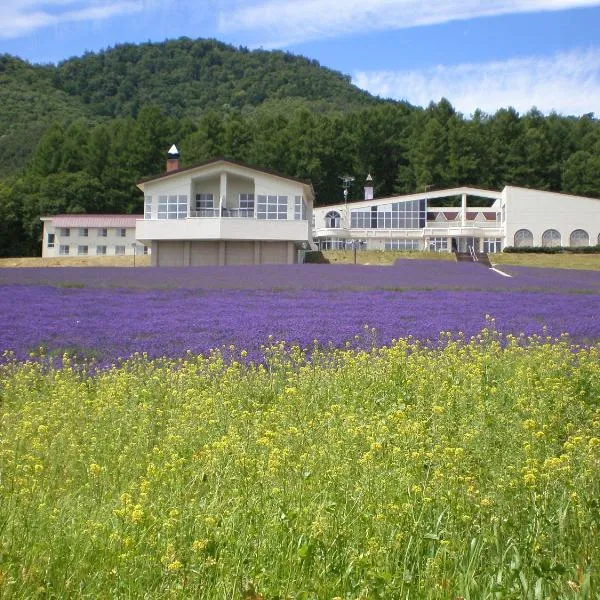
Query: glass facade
x,y
411,214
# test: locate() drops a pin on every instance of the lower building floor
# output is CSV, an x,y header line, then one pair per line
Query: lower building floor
x,y
196,253
431,244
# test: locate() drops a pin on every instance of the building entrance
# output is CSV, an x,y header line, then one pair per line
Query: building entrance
x,y
462,244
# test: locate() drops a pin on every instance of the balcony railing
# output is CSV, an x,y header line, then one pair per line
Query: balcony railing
x,y
204,212
240,213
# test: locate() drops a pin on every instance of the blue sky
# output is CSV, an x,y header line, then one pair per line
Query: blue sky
x,y
477,53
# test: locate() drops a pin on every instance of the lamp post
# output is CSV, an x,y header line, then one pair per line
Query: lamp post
x,y
134,252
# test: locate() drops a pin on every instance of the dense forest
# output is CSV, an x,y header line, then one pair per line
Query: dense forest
x,y
76,136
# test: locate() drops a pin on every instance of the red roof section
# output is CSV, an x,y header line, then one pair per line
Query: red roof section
x,y
125,221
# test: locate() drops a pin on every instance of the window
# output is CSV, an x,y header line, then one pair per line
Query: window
x,y
360,219
204,201
403,245
332,243
102,232
63,250
172,207
492,245
122,232
246,205
579,238
100,250
299,208
523,238
333,220
82,250
438,244
119,250
272,207
551,238
83,232
146,250
64,232
147,207
51,240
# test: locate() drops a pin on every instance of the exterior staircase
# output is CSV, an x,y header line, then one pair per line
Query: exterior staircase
x,y
477,257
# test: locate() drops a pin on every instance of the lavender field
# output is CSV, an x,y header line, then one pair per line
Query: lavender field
x,y
108,314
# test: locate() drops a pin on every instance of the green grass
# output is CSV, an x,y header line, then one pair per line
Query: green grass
x,y
470,470
552,261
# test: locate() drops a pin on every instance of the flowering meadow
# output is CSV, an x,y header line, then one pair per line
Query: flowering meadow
x,y
108,314
390,461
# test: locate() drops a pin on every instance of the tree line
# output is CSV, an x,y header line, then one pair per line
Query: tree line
x,y
82,166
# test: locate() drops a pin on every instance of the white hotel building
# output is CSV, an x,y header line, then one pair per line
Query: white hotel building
x,y
222,212
513,217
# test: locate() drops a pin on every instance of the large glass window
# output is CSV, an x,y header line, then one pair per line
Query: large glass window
x,y
523,238
119,250
103,232
333,220
63,249
551,238
579,238
64,231
100,250
147,207
411,214
83,232
51,238
82,250
172,207
332,243
272,207
403,245
299,208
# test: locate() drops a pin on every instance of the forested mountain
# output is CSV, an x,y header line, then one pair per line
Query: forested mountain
x,y
75,137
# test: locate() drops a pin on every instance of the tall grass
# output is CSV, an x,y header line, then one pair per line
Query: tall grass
x,y
469,470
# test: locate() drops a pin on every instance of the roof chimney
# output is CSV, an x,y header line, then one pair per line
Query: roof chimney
x,y
369,188
172,158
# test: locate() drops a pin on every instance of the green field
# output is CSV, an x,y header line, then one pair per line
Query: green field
x,y
464,471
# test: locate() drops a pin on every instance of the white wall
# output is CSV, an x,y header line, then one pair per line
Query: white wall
x,y
538,211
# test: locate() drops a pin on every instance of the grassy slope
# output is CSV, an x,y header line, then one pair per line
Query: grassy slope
x,y
554,261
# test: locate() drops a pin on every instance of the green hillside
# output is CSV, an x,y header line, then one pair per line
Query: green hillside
x,y
184,77
187,77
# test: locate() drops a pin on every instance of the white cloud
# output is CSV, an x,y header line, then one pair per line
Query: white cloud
x,y
284,22
20,17
568,83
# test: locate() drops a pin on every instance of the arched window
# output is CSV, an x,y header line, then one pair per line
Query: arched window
x,y
579,238
523,238
551,238
333,220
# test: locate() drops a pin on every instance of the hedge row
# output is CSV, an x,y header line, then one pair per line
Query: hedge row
x,y
554,250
